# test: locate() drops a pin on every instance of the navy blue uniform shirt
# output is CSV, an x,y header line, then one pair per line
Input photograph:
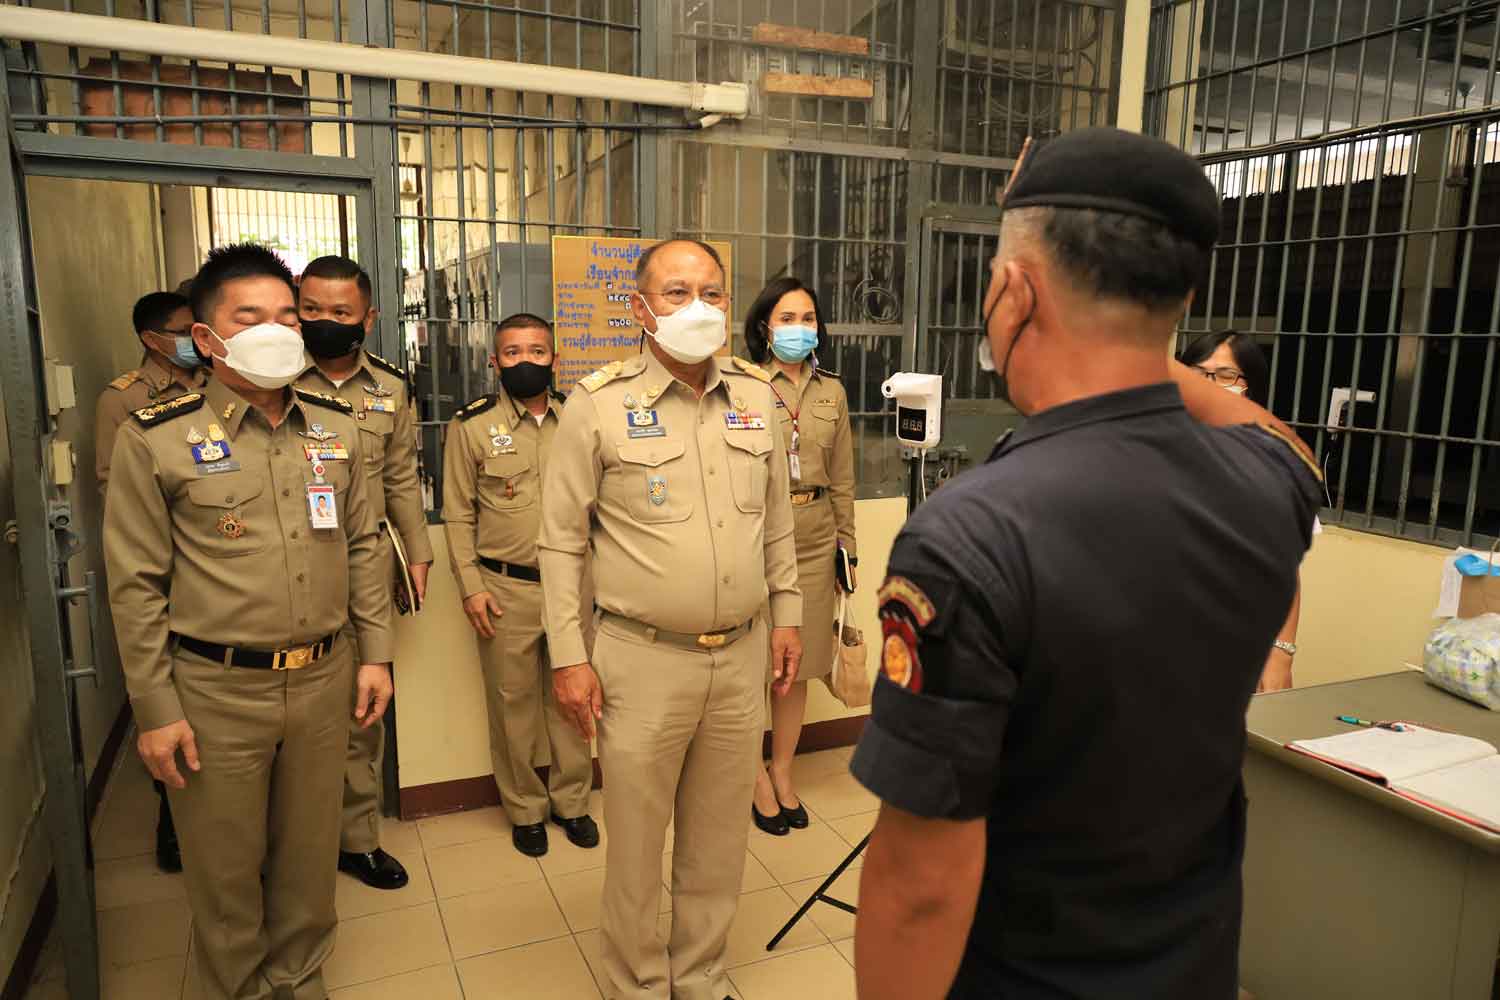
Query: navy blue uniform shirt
x,y
1071,636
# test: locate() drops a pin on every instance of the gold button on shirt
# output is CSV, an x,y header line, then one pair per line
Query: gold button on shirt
x,y
383,409
493,461
148,384
684,501
225,551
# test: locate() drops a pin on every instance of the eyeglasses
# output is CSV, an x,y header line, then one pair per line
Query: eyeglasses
x,y
175,333
1226,377
682,296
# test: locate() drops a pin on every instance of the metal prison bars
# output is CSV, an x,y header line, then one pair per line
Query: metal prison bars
x,y
484,178
1355,144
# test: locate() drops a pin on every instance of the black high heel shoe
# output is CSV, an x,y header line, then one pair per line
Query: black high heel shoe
x,y
776,825
796,818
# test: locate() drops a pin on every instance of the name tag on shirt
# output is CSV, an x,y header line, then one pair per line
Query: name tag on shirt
x,y
321,505
210,468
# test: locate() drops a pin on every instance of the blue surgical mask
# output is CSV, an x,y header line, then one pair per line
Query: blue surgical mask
x,y
793,343
185,355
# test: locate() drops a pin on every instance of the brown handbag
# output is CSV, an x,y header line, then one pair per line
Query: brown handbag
x,y
849,681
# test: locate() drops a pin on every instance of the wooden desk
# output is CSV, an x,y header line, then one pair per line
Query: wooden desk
x,y
1351,890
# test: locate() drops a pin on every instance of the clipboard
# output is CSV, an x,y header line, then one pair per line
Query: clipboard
x,y
406,597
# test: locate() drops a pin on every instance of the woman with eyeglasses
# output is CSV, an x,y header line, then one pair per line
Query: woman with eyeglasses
x,y
1235,362
784,332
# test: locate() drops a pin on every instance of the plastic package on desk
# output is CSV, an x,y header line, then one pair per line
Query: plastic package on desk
x,y
1462,656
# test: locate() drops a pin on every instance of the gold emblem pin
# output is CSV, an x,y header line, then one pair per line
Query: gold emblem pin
x,y
194,436
215,432
629,401
228,412
230,525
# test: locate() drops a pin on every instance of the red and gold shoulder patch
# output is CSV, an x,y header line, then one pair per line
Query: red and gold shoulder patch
x,y
907,594
899,660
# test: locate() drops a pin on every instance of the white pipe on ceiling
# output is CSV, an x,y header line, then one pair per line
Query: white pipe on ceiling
x,y
121,34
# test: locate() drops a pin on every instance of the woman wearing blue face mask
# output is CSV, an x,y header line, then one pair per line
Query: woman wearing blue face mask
x,y
784,332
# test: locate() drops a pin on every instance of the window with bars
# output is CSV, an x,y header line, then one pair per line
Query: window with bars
x,y
1355,147
300,226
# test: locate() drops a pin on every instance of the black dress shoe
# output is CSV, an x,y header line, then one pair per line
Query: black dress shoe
x,y
582,832
168,854
774,825
794,818
377,869
531,839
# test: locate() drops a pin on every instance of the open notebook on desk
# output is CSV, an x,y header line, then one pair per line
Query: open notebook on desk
x,y
1457,775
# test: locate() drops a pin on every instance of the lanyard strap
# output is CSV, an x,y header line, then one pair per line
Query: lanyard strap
x,y
796,427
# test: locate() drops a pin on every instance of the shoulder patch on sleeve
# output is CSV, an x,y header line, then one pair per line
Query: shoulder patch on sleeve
x,y
1295,450
148,416
324,399
475,408
753,370
602,377
125,381
899,590
388,366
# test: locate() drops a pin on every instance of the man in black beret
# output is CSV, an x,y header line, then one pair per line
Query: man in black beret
x,y
1073,631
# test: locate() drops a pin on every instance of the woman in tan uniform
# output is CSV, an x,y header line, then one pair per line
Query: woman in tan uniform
x,y
783,332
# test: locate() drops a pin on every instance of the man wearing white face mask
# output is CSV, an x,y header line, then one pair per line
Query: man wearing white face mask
x,y
240,541
669,469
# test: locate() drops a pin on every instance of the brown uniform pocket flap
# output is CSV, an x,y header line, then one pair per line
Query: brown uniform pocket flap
x,y
756,443
229,489
651,453
506,466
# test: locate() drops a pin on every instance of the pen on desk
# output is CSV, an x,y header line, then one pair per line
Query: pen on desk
x,y
1353,720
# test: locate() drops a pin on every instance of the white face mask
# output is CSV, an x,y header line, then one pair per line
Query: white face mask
x,y
1238,390
692,333
268,355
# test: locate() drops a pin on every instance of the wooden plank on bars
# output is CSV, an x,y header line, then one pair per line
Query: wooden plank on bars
x,y
809,85
767,33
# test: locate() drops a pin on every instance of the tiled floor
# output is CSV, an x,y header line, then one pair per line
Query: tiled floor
x,y
478,920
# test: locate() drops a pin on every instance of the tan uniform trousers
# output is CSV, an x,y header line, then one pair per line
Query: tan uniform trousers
x,y
259,824
360,830
523,712
679,741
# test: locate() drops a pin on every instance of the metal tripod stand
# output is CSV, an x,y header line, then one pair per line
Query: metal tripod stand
x,y
821,894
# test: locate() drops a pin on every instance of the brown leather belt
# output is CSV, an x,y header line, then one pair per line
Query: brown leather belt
x,y
290,658
801,498
684,640
528,573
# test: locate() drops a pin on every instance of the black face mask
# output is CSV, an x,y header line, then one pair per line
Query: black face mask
x,y
1000,376
526,380
326,338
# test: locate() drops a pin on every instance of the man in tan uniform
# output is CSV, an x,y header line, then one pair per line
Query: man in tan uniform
x,y
670,469
170,368
333,301
497,449
240,542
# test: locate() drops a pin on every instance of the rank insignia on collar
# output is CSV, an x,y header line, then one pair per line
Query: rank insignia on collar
x,y
215,432
230,525
228,412
656,489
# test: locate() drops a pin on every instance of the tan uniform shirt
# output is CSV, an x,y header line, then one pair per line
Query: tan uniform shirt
x,y
825,444
381,397
684,501
493,464
150,383
224,550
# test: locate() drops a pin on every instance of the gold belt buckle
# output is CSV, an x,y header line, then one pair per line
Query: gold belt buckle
x,y
801,499
712,640
294,659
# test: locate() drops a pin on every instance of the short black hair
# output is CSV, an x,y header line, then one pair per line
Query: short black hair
x,y
643,262
1248,357
521,321
153,309
232,263
757,320
336,268
1118,256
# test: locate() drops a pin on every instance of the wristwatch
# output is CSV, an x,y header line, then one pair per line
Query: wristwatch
x,y
1289,648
